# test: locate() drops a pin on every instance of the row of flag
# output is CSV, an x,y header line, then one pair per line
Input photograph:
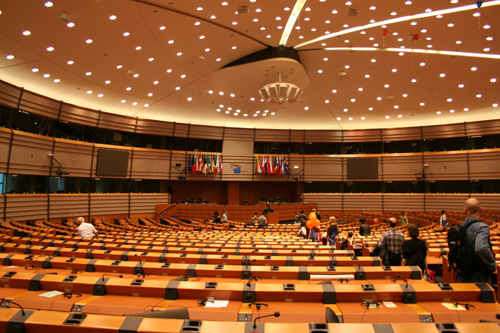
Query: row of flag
x,y
207,164
271,165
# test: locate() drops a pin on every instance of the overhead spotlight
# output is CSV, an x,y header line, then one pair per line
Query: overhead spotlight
x,y
181,177
61,172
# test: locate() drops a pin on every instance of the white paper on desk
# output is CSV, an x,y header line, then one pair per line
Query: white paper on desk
x,y
51,293
217,304
453,306
390,304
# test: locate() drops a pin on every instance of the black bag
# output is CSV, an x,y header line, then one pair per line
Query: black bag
x,y
460,256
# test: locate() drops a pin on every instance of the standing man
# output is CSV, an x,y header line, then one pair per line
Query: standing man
x,y
86,230
394,240
478,238
404,219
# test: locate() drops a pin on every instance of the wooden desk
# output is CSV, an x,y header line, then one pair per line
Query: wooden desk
x,y
357,313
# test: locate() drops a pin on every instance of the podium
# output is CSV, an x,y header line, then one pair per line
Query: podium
x,y
273,218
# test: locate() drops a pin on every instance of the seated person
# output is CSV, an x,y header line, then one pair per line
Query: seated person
x,y
86,230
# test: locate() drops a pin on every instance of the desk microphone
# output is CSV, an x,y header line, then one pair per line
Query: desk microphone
x,y
276,314
19,305
120,276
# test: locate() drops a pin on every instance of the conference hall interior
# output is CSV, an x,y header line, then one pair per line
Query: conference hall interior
x,y
227,157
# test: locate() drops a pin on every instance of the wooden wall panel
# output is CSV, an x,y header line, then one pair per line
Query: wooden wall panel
x,y
214,192
94,162
297,135
78,115
323,136
488,201
437,202
117,122
5,137
155,127
106,204
402,167
257,191
362,201
181,130
40,105
25,206
484,164
444,131
325,201
483,127
366,135
403,201
451,165
323,168
76,157
30,154
145,203
206,132
9,95
238,134
246,164
68,205
272,135
401,134
151,164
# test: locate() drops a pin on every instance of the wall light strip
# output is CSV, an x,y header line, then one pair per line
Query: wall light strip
x,y
425,51
299,5
401,19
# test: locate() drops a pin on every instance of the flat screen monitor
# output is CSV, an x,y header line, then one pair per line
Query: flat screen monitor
x,y
112,163
362,168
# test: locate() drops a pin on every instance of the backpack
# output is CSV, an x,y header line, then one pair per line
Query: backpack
x,y
461,257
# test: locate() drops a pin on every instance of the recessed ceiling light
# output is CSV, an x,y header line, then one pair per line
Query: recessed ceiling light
x,y
107,81
163,27
442,75
400,116
199,8
171,41
70,24
486,26
134,103
422,64
151,59
26,32
49,4
479,95
128,88
379,98
221,93
89,92
34,70
70,62
495,105
334,91
486,49
179,54
327,101
112,17
449,100
89,41
126,34
169,70
156,82
473,69
387,117
202,37
350,118
466,109
422,104
493,80
213,17
123,101
363,118
346,110
461,85
136,75
138,48
88,73
452,111
438,112
57,80
46,75
50,49
9,56
396,106
189,99
177,88
451,25
367,76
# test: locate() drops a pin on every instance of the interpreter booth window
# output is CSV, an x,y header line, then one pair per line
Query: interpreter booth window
x,y
486,186
205,145
362,147
152,141
405,187
25,184
323,148
393,147
450,186
26,122
484,141
2,177
363,187
322,187
271,148
70,131
447,144
148,186
110,186
110,137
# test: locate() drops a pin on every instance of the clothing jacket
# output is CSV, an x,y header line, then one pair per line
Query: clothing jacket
x,y
478,236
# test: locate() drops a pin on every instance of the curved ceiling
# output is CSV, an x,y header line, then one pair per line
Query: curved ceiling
x,y
362,63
